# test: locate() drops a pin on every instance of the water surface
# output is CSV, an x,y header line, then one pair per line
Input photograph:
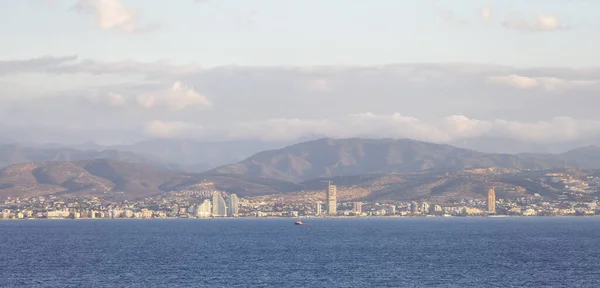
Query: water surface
x,y
397,252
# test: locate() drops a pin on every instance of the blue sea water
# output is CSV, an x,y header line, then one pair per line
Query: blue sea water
x,y
398,252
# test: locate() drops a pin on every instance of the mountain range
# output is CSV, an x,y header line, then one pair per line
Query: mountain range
x,y
163,154
373,168
338,157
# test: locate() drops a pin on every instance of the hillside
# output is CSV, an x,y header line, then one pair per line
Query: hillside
x,y
13,154
369,169
197,156
438,187
126,180
341,157
588,156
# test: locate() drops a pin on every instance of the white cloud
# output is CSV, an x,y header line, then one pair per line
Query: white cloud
x,y
170,129
109,99
485,13
281,129
111,14
448,129
541,23
449,16
116,100
546,83
393,126
178,97
463,127
280,102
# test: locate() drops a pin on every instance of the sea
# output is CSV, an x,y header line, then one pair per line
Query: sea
x,y
366,252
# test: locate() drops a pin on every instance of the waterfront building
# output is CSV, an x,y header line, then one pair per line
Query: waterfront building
x,y
331,199
357,207
219,208
233,205
492,201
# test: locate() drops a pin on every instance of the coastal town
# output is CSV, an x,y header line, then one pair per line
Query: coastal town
x,y
576,200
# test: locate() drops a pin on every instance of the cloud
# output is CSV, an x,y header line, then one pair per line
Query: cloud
x,y
71,64
112,15
178,97
280,129
448,129
40,64
109,99
447,15
115,100
436,102
395,125
170,129
485,13
541,23
546,83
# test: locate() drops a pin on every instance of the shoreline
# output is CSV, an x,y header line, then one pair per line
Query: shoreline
x,y
310,217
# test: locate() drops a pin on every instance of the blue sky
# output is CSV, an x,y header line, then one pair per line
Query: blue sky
x,y
118,71
308,32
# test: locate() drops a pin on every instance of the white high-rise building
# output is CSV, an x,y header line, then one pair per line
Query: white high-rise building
x,y
204,210
219,208
233,205
318,208
357,207
331,199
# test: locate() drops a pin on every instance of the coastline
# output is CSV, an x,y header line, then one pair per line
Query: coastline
x,y
310,217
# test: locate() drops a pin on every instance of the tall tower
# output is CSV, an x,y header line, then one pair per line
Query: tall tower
x,y
233,205
357,207
331,199
318,208
492,201
219,209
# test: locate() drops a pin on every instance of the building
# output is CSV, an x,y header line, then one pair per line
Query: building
x,y
318,208
414,207
357,207
219,208
425,208
331,199
492,201
233,205
204,209
392,210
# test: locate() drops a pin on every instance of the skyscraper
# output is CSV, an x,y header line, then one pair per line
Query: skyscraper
x,y
492,201
233,205
219,209
318,208
331,199
204,209
357,207
414,207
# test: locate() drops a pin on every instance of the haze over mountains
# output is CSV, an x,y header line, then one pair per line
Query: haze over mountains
x,y
163,154
366,164
338,157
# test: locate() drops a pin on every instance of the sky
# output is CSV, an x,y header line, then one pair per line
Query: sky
x,y
119,71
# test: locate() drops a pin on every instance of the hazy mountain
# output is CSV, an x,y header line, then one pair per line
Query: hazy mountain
x,y
198,156
338,157
369,169
116,179
512,146
588,156
14,153
98,177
